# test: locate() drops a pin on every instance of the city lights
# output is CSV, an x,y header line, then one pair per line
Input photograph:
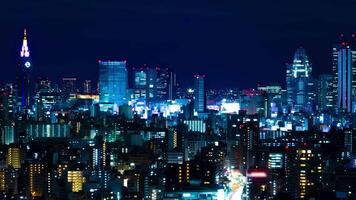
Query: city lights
x,y
135,101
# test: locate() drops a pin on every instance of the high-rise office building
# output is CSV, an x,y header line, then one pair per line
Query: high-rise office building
x,y
154,84
254,102
196,125
43,84
172,86
76,179
243,128
69,85
312,87
9,179
348,144
36,179
8,134
24,76
14,157
113,82
151,84
325,92
199,93
298,77
334,73
344,57
166,84
345,83
7,102
163,83
309,171
42,130
273,100
140,84
87,87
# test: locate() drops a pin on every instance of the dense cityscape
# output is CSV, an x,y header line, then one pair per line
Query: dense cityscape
x,y
136,133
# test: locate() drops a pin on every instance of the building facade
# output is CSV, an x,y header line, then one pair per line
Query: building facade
x,y
199,93
24,89
113,82
345,83
298,78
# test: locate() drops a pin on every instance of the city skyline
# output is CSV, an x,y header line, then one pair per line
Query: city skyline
x,y
185,82
198,41
178,101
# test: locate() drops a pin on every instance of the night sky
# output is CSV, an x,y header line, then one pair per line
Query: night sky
x,y
234,44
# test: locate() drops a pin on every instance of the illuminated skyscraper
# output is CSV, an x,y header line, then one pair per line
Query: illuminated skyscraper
x,y
344,77
8,135
76,179
298,78
24,76
36,179
325,92
154,84
166,84
2,180
140,84
348,144
335,74
7,102
199,93
14,157
69,85
146,83
113,82
309,171
9,180
344,85
151,85
87,87
254,102
244,129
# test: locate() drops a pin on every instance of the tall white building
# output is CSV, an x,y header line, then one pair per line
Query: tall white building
x,y
298,78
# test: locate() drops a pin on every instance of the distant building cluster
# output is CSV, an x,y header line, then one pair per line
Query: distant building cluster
x,y
138,134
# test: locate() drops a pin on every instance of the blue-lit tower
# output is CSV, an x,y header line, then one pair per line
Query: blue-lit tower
x,y
199,93
140,84
113,82
151,85
344,77
325,92
298,78
24,76
344,74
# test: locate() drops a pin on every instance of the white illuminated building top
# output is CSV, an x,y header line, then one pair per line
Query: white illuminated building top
x,y
301,66
25,52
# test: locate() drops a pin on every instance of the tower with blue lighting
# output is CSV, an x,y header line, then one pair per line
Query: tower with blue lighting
x,y
345,73
199,93
113,82
298,79
24,76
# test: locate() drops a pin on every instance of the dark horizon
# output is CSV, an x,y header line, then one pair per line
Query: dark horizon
x,y
226,41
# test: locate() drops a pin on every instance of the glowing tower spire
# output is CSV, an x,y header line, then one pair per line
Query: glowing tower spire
x,y
24,50
24,76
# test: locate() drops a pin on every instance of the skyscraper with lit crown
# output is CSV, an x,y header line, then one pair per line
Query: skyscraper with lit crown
x,y
298,77
24,76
